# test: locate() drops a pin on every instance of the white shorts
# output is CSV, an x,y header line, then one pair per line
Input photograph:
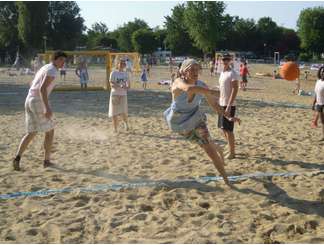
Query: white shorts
x,y
35,117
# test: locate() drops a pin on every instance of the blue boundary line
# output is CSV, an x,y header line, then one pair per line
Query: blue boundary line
x,y
161,183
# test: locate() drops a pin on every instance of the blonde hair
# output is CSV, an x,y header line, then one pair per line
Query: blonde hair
x,y
118,60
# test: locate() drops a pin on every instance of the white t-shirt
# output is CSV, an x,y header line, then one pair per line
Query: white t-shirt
x,y
319,92
120,78
48,70
225,86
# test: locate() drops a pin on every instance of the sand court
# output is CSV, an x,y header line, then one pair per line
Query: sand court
x,y
275,136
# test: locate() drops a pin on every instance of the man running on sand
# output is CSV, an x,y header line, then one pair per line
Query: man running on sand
x,y
38,112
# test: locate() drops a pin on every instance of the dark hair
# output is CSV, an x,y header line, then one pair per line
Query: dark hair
x,y
57,54
226,56
320,73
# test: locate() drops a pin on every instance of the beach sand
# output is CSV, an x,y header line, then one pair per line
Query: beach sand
x,y
272,138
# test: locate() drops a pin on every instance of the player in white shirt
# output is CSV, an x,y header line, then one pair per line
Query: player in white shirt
x,y
118,106
318,104
228,86
38,112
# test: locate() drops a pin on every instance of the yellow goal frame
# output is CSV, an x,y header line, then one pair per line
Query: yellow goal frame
x,y
109,56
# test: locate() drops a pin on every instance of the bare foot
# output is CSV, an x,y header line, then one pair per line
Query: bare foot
x,y
314,124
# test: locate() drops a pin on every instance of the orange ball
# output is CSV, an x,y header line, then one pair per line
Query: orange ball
x,y
289,71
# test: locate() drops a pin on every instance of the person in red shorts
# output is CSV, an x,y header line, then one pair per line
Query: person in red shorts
x,y
244,72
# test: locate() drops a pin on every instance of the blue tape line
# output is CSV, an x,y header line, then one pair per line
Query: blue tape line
x,y
161,183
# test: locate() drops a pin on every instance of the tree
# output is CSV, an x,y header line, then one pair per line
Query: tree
x,y
204,21
31,26
144,41
8,29
99,27
98,36
177,37
160,36
65,25
310,29
125,33
245,30
289,42
269,33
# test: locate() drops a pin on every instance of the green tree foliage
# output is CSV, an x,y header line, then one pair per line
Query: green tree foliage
x,y
144,41
311,29
99,28
8,29
288,42
65,25
124,36
177,37
160,36
204,22
269,33
99,37
246,31
31,26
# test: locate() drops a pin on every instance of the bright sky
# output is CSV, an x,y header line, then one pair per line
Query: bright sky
x,y
115,14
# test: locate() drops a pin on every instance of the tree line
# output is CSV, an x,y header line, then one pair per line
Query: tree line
x,y
192,28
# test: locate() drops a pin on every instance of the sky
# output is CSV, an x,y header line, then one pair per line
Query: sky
x,y
115,14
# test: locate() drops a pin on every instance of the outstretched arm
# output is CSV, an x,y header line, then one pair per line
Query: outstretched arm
x,y
194,89
212,102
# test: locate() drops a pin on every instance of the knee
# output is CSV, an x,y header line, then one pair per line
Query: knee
x,y
31,134
50,133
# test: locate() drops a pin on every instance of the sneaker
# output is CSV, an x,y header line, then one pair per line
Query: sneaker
x,y
48,163
16,163
230,156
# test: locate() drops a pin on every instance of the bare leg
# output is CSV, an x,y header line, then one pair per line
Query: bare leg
x,y
216,156
322,119
48,142
115,123
231,142
22,147
225,136
229,136
315,119
25,142
125,119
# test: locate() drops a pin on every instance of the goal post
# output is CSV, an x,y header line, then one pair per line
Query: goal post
x,y
276,58
107,55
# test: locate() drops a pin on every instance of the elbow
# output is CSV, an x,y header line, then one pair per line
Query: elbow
x,y
189,89
42,89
